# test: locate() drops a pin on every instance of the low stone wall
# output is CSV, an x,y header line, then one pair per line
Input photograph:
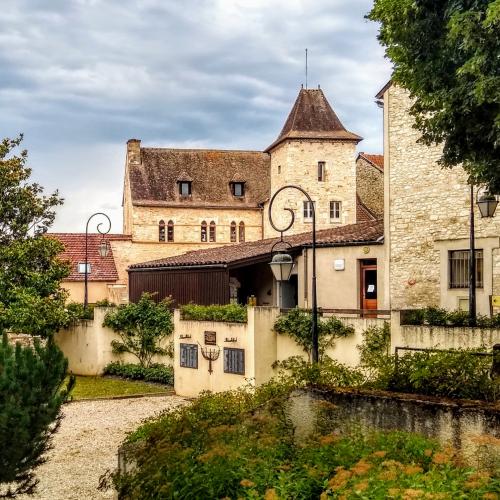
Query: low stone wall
x,y
345,349
441,337
471,427
87,345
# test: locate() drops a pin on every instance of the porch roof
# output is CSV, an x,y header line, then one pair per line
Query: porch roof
x,y
363,233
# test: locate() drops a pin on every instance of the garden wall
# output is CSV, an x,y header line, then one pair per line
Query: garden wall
x,y
344,349
87,345
440,337
255,340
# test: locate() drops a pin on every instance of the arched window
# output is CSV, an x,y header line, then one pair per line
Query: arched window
x,y
233,232
161,230
212,232
204,231
170,231
242,231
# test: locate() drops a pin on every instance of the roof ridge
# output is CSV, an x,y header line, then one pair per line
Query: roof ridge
x,y
205,149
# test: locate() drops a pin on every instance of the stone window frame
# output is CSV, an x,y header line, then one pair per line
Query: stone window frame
x,y
170,231
332,210
232,235
321,171
241,232
203,232
161,231
212,232
307,212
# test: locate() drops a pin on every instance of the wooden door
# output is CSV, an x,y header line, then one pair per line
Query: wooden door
x,y
368,286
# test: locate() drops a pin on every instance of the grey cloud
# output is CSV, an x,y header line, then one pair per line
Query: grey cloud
x,y
82,76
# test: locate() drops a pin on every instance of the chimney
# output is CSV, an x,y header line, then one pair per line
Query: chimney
x,y
134,151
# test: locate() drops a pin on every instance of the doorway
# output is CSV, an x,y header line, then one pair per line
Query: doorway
x,y
368,286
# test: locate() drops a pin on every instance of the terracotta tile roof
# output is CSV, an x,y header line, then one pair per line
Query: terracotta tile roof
x,y
363,213
352,234
312,117
101,268
154,181
375,160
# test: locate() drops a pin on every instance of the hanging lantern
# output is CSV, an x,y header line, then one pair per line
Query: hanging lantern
x,y
281,266
487,204
103,248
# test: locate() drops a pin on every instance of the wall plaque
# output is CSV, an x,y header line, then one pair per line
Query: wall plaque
x,y
210,338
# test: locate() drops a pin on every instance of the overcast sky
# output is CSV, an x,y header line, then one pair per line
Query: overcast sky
x,y
80,77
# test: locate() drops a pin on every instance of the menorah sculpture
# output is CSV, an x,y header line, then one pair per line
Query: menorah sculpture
x,y
211,354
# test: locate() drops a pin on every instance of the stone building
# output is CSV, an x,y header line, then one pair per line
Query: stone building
x,y
316,152
183,200
427,221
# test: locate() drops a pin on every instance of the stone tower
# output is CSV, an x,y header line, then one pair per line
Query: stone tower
x,y
316,152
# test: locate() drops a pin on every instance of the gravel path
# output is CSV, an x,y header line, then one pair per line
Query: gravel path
x,y
86,444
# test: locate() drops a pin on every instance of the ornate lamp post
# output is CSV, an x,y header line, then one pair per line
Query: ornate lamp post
x,y
282,263
103,250
487,204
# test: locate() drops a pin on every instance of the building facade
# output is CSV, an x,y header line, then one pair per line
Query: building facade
x,y
427,221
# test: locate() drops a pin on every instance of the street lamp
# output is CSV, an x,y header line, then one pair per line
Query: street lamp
x,y
282,263
281,266
103,250
487,204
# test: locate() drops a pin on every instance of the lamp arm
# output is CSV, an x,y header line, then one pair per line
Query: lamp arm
x,y
292,214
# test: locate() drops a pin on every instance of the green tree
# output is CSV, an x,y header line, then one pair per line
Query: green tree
x,y
446,53
31,395
31,299
142,327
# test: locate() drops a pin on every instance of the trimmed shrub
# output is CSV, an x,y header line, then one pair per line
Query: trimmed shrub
x,y
229,313
156,372
435,316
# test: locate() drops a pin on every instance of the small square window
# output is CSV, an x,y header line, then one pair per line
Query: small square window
x,y
238,189
184,188
81,267
321,171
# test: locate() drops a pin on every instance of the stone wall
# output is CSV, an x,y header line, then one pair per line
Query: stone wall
x,y
427,214
370,185
296,162
187,224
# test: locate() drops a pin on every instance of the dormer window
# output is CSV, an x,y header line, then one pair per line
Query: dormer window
x,y
185,188
238,189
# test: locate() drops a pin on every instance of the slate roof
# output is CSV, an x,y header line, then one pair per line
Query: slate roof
x,y
375,160
352,234
154,181
101,268
312,117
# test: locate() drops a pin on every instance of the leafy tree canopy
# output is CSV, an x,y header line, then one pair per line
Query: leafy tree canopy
x,y
447,54
31,300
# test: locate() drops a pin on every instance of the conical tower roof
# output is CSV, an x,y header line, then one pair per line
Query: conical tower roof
x,y
312,117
